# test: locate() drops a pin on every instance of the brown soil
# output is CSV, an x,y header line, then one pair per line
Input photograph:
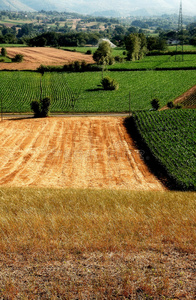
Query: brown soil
x,y
80,152
34,57
134,275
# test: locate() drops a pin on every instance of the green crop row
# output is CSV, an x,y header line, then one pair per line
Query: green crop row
x,y
18,89
170,136
160,61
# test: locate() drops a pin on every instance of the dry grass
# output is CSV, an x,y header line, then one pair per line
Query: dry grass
x,y
92,244
96,220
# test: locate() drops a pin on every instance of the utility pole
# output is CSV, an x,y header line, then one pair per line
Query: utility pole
x,y
179,34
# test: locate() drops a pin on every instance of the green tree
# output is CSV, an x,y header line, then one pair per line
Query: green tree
x,y
133,46
102,55
136,46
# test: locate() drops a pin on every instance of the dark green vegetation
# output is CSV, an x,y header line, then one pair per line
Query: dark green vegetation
x,y
159,62
41,108
168,137
82,92
109,84
70,29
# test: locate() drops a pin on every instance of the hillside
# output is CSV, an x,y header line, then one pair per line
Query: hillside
x,y
155,7
14,5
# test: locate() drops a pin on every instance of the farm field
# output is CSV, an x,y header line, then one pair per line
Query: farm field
x,y
34,57
160,61
75,152
167,85
81,215
170,136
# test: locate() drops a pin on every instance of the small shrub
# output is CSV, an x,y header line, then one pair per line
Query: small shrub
x,y
17,58
83,65
124,52
77,66
155,103
111,60
170,104
3,52
45,107
178,106
118,58
2,59
35,107
41,108
109,84
71,67
89,52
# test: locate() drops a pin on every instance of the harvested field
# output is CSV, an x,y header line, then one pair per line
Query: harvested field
x,y
80,152
35,56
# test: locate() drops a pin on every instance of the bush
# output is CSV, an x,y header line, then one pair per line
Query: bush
x,y
111,60
41,108
118,58
2,60
45,107
109,84
89,52
178,106
77,66
155,103
3,52
17,58
170,104
35,107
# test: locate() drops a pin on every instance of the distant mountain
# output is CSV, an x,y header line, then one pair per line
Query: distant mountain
x,y
14,5
102,7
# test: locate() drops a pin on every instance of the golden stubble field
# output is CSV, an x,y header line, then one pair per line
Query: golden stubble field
x,y
81,216
35,56
79,152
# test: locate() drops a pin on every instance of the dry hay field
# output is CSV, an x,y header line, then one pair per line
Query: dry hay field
x,y
80,152
35,56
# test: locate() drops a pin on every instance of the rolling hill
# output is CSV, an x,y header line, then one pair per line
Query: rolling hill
x,y
143,7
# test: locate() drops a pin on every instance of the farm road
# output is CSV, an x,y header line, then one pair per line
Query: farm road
x,y
77,152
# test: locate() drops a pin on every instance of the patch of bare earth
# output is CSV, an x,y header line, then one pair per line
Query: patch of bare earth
x,y
132,275
35,56
80,152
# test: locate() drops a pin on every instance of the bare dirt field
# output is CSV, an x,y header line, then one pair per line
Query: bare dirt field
x,y
35,56
80,152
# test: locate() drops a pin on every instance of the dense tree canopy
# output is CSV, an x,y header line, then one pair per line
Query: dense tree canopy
x,y
136,46
102,55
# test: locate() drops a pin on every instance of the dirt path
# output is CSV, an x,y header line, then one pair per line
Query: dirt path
x,y
80,152
35,56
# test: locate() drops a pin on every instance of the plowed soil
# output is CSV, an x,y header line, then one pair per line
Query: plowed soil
x,y
35,56
79,152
